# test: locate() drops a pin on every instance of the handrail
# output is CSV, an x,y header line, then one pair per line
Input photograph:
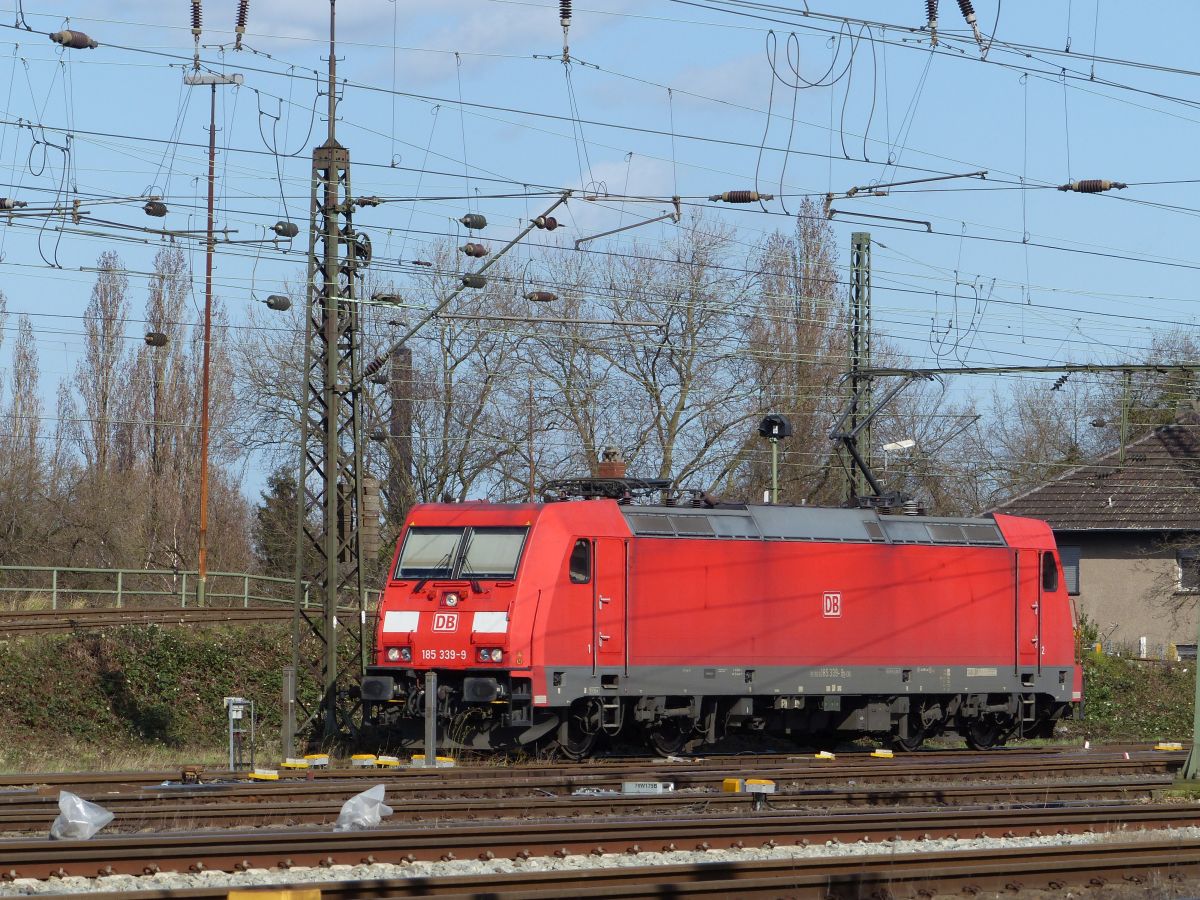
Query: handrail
x,y
122,588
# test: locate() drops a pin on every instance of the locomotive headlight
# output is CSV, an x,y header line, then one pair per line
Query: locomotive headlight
x,y
451,600
406,654
497,655
393,654
485,655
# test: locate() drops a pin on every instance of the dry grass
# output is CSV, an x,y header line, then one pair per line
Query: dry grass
x,y
91,758
40,601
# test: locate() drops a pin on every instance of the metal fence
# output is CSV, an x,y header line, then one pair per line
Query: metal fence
x,y
66,585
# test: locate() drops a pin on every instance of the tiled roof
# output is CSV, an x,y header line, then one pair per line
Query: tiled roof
x,y
1156,489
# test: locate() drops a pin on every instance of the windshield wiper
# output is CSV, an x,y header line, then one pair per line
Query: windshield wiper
x,y
444,562
463,547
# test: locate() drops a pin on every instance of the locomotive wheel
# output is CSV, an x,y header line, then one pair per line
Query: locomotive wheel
x,y
580,730
669,735
985,734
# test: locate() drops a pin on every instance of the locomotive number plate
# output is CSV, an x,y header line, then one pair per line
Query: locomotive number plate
x,y
445,621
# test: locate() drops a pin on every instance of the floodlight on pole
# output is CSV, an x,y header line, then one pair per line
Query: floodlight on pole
x,y
774,428
895,447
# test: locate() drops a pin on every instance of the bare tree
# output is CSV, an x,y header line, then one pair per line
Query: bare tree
x,y
683,398
798,339
22,483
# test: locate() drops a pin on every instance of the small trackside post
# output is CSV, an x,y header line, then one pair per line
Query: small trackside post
x,y
431,706
1191,768
289,712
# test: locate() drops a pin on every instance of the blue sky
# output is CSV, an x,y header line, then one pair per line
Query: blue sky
x,y
668,98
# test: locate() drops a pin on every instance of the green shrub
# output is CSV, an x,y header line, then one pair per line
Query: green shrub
x,y
1128,700
140,684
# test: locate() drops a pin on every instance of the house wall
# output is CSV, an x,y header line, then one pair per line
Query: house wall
x,y
1128,585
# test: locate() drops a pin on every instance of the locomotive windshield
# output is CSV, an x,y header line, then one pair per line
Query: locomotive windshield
x,y
453,553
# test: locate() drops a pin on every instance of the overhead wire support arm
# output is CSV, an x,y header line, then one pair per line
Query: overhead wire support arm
x,y
870,189
378,363
862,215
849,438
674,216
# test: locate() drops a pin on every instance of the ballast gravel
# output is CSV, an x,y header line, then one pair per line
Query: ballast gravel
x,y
27,887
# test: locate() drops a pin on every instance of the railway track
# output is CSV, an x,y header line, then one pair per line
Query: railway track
x,y
162,812
46,622
967,872
797,770
240,851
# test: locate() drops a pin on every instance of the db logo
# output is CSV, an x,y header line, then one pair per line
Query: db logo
x,y
445,621
831,605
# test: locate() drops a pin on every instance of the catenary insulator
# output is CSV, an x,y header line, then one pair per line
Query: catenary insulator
x,y
197,17
541,296
477,251
421,262
741,197
547,222
279,303
378,434
474,280
240,28
564,12
1093,186
968,12
156,339
378,378
286,229
9,203
474,221
155,208
76,40
374,366
931,15
367,201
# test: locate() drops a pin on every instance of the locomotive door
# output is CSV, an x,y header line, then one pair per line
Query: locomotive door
x,y
608,604
1029,609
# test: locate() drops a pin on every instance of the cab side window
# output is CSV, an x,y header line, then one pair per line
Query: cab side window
x,y
580,565
1049,573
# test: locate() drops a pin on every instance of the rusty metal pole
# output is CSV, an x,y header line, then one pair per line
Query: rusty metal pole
x,y
197,78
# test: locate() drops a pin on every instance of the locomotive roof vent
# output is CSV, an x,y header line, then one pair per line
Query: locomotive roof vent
x,y
612,464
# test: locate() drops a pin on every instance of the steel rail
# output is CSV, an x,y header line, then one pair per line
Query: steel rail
x,y
30,815
41,622
238,851
795,770
842,878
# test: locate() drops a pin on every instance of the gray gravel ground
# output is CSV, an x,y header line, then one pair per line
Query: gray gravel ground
x,y
259,877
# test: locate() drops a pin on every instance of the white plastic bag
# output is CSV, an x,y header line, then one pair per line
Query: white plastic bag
x,y
363,810
77,819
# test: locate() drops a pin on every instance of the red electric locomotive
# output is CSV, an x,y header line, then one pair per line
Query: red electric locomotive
x,y
563,622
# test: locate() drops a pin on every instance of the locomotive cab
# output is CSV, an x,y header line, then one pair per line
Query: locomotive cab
x,y
453,605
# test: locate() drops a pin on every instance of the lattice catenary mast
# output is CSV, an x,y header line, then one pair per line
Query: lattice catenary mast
x,y
330,496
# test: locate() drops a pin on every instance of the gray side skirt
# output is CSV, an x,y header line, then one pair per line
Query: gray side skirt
x,y
568,684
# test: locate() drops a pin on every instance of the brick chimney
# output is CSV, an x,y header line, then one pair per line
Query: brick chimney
x,y
611,464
